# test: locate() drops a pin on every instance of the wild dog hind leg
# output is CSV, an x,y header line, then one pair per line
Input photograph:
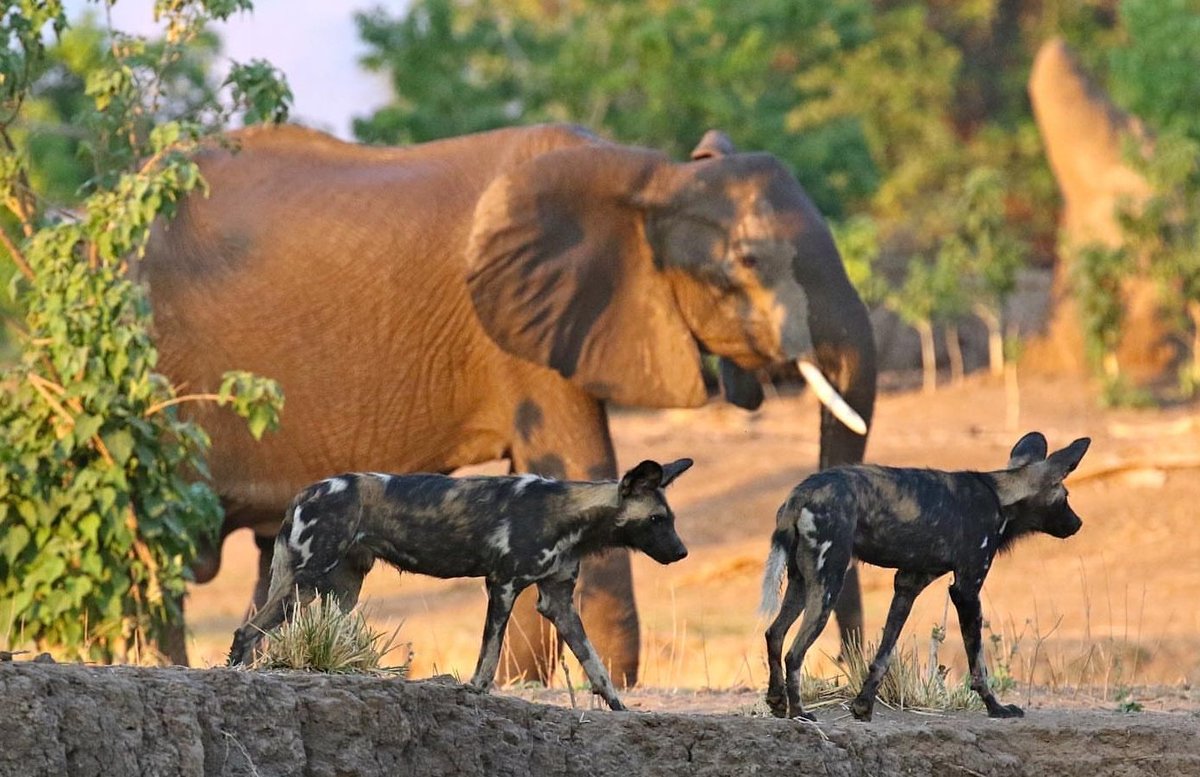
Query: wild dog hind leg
x,y
907,586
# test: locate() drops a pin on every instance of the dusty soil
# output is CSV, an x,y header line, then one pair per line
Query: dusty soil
x,y
87,721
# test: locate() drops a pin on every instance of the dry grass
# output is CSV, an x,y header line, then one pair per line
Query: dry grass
x,y
911,682
322,638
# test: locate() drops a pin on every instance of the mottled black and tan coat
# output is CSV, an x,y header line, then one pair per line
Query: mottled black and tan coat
x,y
512,531
923,523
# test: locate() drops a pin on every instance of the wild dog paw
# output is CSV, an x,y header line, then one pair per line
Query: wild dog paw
x,y
1005,711
862,709
777,705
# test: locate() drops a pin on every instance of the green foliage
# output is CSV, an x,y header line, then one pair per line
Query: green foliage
x,y
98,497
857,240
1155,71
1164,231
655,74
932,291
1098,272
984,251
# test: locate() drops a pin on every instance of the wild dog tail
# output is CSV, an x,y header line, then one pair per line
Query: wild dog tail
x,y
283,575
783,544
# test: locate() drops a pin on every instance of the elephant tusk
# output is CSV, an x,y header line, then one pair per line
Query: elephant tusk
x,y
830,398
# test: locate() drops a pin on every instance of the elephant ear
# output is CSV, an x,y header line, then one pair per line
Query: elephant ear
x,y
713,145
561,274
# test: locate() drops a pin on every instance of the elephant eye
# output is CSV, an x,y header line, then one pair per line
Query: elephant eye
x,y
749,261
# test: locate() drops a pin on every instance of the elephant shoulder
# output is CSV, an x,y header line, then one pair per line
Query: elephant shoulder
x,y
538,139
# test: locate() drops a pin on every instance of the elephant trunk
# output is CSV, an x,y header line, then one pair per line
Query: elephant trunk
x,y
847,359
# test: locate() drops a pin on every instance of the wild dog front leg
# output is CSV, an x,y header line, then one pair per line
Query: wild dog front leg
x,y
555,602
970,620
907,586
501,596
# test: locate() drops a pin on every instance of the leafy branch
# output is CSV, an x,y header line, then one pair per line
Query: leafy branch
x,y
103,490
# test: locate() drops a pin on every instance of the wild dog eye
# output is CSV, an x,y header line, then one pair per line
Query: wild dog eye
x,y
749,261
657,518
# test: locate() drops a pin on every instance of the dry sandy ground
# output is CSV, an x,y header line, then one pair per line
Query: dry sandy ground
x,y
1086,618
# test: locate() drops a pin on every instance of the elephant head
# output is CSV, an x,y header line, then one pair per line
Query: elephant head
x,y
617,268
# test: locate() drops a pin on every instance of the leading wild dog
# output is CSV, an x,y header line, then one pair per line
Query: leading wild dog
x,y
512,531
923,523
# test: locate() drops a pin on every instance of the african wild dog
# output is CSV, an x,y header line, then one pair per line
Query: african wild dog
x,y
922,523
512,531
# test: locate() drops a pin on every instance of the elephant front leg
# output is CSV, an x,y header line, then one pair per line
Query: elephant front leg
x,y
561,432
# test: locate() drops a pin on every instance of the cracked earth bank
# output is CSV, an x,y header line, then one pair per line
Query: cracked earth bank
x,y
81,721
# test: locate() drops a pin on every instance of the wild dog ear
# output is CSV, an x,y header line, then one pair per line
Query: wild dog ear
x,y
647,475
1029,449
1063,463
674,470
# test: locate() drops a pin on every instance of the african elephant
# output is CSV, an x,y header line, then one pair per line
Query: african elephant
x,y
483,297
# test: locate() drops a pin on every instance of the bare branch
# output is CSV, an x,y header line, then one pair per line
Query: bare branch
x,y
158,406
18,258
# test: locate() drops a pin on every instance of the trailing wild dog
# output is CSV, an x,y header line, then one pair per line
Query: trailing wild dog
x,y
512,531
922,523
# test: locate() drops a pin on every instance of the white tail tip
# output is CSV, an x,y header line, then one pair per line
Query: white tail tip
x,y
831,399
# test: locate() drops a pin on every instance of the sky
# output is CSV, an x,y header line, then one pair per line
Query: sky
x,y
314,42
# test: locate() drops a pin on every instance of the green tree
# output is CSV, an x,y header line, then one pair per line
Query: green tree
x,y
857,240
1155,71
99,499
1098,272
929,295
1164,232
987,253
656,74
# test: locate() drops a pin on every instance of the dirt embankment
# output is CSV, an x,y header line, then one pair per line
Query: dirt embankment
x,y
60,719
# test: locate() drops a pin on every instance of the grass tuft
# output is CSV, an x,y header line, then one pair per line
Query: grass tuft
x,y
912,683
322,638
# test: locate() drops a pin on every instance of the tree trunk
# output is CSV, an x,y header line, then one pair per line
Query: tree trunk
x,y
1084,135
1193,309
928,356
1012,397
995,328
954,351
1112,367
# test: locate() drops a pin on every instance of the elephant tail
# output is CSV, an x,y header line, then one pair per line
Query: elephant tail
x,y
783,545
